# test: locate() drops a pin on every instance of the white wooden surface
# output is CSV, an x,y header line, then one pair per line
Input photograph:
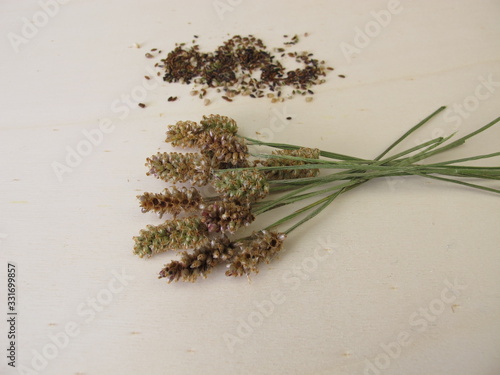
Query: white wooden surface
x,y
378,302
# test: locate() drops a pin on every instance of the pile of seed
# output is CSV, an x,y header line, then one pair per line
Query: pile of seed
x,y
243,66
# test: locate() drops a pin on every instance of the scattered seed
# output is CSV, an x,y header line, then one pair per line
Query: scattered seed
x,y
309,99
288,118
227,99
149,56
154,49
206,102
172,98
142,105
329,68
341,76
229,68
147,77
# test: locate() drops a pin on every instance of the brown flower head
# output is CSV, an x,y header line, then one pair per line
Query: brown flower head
x,y
261,247
171,201
199,263
187,133
175,167
184,134
223,149
241,185
285,174
222,123
176,234
224,216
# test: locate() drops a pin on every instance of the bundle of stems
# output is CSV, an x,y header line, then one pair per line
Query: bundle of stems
x,y
250,184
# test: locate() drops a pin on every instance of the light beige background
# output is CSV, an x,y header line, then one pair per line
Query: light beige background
x,y
396,277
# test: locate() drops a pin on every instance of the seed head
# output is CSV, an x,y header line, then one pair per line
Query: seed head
x,y
243,186
223,149
261,247
184,134
199,263
178,234
171,201
175,167
187,133
218,122
226,216
285,174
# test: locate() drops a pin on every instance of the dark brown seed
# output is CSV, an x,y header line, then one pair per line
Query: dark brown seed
x,y
142,105
227,99
147,77
341,76
172,98
229,69
329,68
288,118
153,49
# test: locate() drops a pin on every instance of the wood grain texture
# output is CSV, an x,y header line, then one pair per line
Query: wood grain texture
x,y
396,277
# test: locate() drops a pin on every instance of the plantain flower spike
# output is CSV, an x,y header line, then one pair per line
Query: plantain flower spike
x,y
241,185
221,123
285,174
261,247
176,234
225,217
187,133
224,150
171,201
175,167
184,134
199,263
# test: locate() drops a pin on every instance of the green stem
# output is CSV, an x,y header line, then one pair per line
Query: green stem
x,y
405,135
459,141
460,183
285,146
445,163
327,200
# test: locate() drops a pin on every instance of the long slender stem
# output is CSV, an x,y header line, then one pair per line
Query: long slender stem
x,y
285,146
405,135
357,171
458,142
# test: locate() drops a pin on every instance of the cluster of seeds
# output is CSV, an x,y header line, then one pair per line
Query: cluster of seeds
x,y
243,65
203,223
285,174
170,201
